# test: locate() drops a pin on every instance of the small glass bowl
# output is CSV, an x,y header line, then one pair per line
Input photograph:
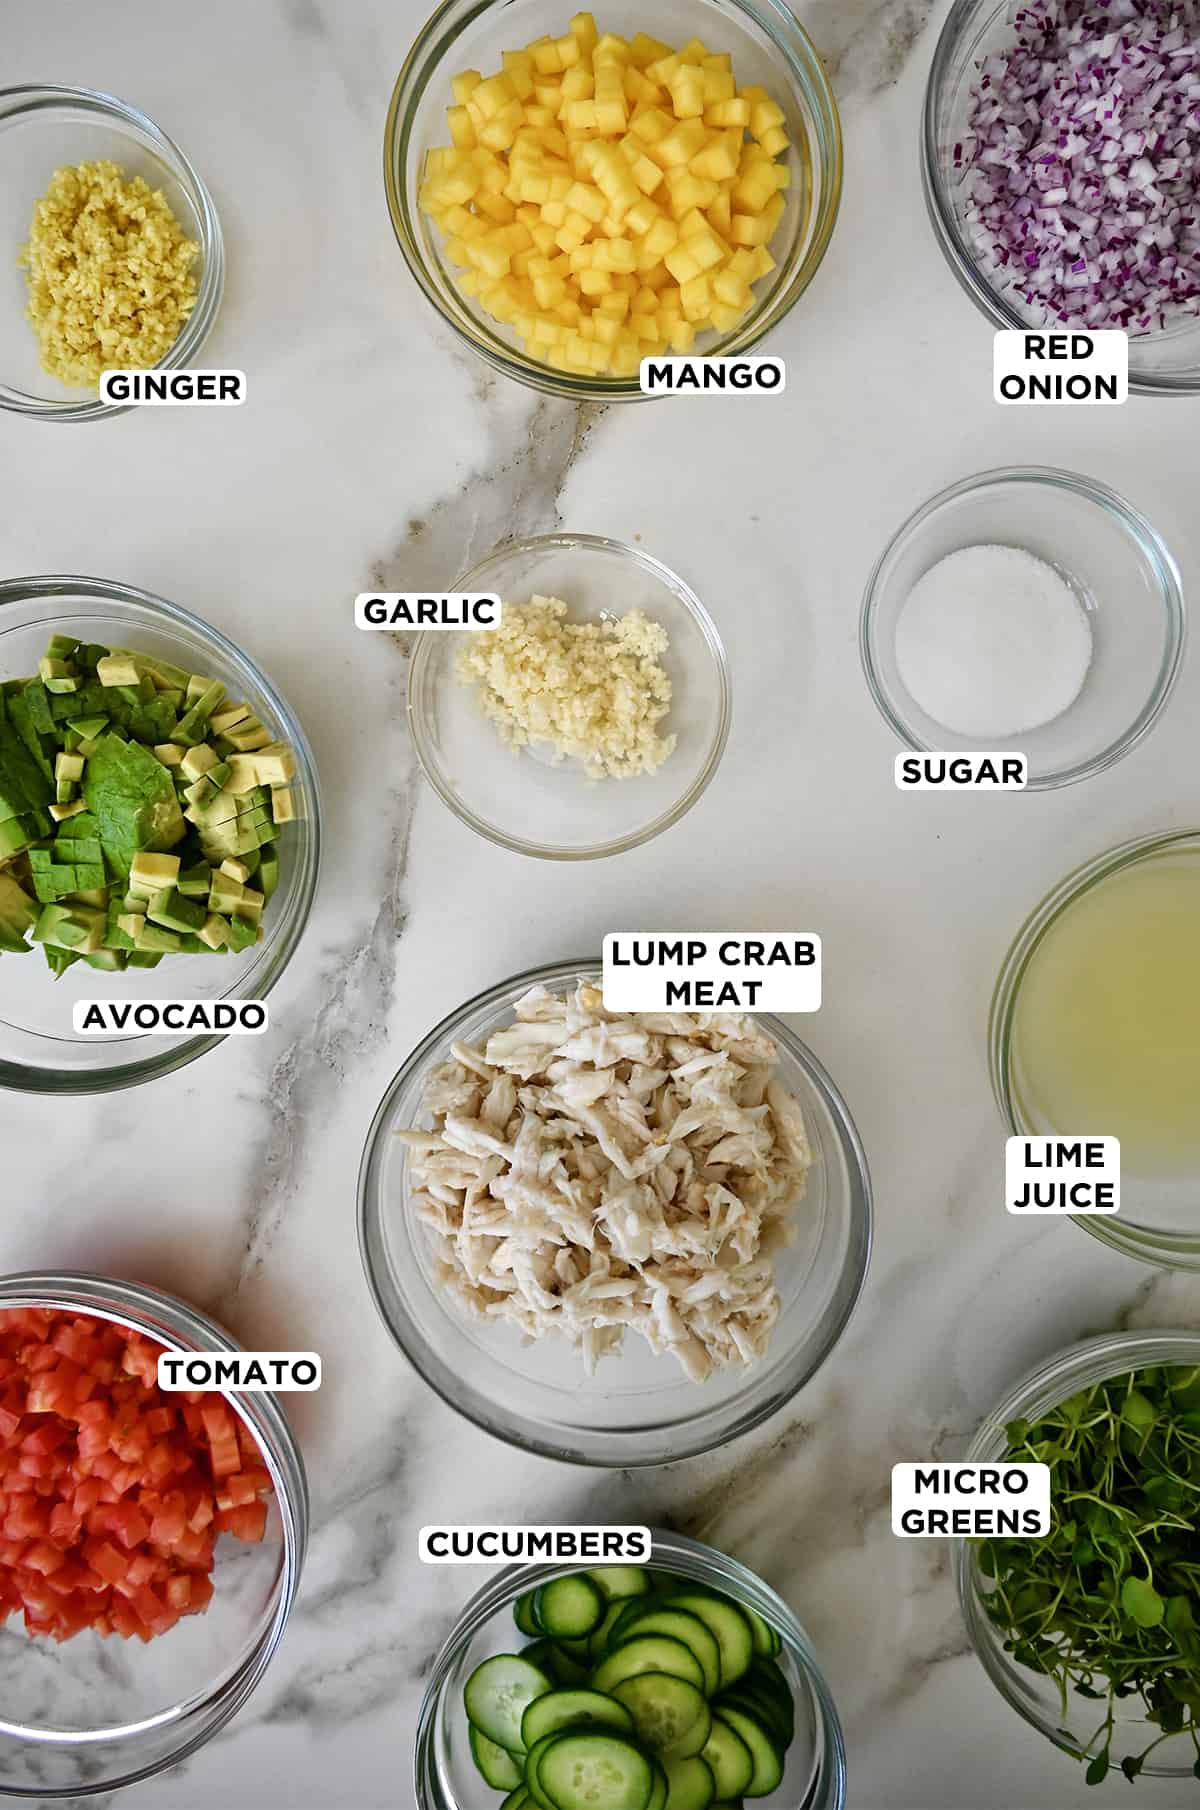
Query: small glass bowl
x,y
444,1775
1119,569
638,1409
1159,1220
519,797
1160,364
768,46
39,1050
1032,1695
42,128
91,1715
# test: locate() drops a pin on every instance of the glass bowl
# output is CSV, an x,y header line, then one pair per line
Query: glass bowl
x,y
1032,1695
39,1051
1160,364
444,1773
1119,569
637,1409
1159,1220
768,46
89,1715
42,128
518,797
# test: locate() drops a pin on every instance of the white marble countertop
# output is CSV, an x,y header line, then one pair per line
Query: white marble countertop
x,y
374,452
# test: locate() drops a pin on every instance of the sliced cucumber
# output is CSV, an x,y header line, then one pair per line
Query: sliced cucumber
x,y
765,1752
648,1653
497,1694
728,1758
573,1709
569,1608
600,1639
533,1760
557,1663
689,1785
495,1764
620,1581
658,1796
682,1625
766,1640
666,1711
517,1800
524,1616
764,1705
726,1622
595,1772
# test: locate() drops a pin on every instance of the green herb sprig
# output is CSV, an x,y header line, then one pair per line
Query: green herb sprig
x,y
1108,1605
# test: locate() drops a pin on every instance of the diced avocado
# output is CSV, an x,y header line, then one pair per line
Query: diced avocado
x,y
242,935
88,727
60,812
268,873
226,893
118,669
166,676
75,927
109,961
131,924
61,647
283,804
69,766
39,709
64,791
49,668
132,799
193,725
175,911
243,774
18,915
237,870
194,881
197,760
156,939
142,958
215,932
247,737
17,833
21,717
250,906
201,792
149,874
276,764
58,960
169,753
224,720
23,783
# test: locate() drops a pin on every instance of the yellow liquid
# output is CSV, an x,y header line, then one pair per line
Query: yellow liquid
x,y
1106,1033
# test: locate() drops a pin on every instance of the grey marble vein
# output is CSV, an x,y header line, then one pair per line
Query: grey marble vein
x,y
866,48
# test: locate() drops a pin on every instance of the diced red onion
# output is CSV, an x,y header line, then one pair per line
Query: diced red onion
x,y
1083,167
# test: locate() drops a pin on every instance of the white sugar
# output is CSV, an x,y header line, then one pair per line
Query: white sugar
x,y
992,642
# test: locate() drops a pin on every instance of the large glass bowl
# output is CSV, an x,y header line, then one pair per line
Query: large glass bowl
x,y
91,1714
39,1051
519,798
42,128
637,1409
1159,1220
1122,574
444,1773
1160,364
1030,1693
768,46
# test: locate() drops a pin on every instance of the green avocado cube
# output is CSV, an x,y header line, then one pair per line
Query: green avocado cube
x,y
175,911
39,709
109,961
18,915
193,724
61,647
194,881
119,669
158,939
242,934
88,727
132,799
142,958
268,873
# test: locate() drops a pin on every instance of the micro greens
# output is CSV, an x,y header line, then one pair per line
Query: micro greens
x,y
1108,1605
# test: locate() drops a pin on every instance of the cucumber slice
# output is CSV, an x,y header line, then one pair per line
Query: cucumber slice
x,y
533,1760
765,1752
524,1616
569,1608
573,1709
689,1785
595,1772
764,1705
658,1797
620,1581
648,1653
730,1627
728,1758
497,1694
766,1640
517,1800
494,1763
600,1639
682,1625
666,1711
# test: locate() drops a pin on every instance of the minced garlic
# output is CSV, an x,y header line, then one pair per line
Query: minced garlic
x,y
594,690
109,272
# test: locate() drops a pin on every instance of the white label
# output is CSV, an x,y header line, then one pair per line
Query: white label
x,y
169,1017
706,971
962,772
712,376
148,388
1064,366
1062,1175
971,1501
418,609
535,1545
248,1372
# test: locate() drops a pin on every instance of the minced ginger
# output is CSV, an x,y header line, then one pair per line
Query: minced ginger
x,y
109,271
595,691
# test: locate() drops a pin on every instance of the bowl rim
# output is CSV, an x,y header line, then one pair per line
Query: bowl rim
x,y
990,301
1038,1389
112,593
584,544
177,1324
1132,1237
669,1551
804,65
607,1449
41,97
1168,587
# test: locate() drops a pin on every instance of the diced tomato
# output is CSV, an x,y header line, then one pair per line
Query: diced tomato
x,y
111,1493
